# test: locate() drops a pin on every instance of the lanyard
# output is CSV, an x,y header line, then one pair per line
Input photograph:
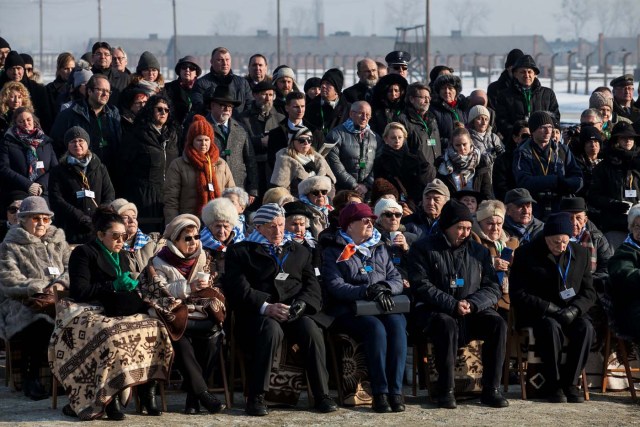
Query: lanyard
x,y
566,270
545,171
425,125
103,143
279,261
527,100
630,180
210,177
324,130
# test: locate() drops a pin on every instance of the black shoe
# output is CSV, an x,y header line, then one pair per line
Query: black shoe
x,y
381,403
447,399
113,410
33,388
325,404
573,394
68,411
555,395
256,406
210,402
397,402
192,405
492,397
147,395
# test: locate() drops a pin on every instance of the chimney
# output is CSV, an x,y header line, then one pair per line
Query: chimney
x,y
456,34
153,36
321,31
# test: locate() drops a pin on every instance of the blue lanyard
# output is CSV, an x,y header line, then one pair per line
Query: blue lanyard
x,y
278,260
566,271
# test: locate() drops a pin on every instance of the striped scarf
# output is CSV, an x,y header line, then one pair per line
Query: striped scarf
x,y
210,242
324,209
308,237
139,242
364,248
256,237
629,240
584,238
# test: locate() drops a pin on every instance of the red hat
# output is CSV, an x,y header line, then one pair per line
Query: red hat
x,y
355,212
199,126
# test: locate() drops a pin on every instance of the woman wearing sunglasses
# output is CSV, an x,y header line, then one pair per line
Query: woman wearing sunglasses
x,y
146,154
179,90
298,162
314,192
356,265
33,260
12,213
116,341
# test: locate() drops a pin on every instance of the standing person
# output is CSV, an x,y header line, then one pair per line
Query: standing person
x,y
312,88
489,144
623,98
146,155
58,89
455,288
368,77
603,104
78,185
198,176
270,283
356,266
398,63
284,80
180,90
148,75
552,290
505,79
387,101
118,81
422,128
12,96
257,70
221,74
448,106
119,59
330,109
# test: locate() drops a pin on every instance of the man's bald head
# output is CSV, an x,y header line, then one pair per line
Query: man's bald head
x,y
478,97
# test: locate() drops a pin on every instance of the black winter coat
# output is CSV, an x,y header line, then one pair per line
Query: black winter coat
x,y
494,88
446,116
39,99
73,214
238,86
330,118
481,182
511,106
502,179
534,280
14,169
357,92
421,138
117,79
180,100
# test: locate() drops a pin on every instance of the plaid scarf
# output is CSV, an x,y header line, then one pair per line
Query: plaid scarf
x,y
351,248
210,242
463,167
584,238
31,141
139,242
307,237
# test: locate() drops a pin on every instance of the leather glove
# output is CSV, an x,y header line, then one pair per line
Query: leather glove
x,y
567,315
385,300
35,189
310,167
374,289
552,309
296,309
619,207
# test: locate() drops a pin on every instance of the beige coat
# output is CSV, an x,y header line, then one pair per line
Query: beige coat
x,y
288,172
180,195
139,259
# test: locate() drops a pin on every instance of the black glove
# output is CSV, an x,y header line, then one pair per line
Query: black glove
x,y
618,207
310,167
374,289
567,315
564,188
552,309
296,309
385,300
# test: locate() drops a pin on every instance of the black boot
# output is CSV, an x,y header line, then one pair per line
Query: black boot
x,y
192,405
114,410
256,406
381,403
493,397
33,388
147,395
447,399
210,402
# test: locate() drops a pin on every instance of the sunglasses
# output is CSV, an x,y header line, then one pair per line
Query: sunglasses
x,y
304,141
400,67
392,215
162,110
190,238
319,193
366,221
116,235
13,210
524,136
189,68
42,219
29,70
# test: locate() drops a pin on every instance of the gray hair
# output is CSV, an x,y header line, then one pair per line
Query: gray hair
x,y
243,196
307,223
591,112
121,49
356,105
634,213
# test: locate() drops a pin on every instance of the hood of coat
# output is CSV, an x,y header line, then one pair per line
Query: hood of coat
x,y
20,236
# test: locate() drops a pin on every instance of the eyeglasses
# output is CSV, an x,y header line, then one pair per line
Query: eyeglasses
x,y
162,110
116,235
28,70
304,141
13,210
392,215
119,58
190,238
42,219
319,193
102,91
189,68
400,67
525,136
226,107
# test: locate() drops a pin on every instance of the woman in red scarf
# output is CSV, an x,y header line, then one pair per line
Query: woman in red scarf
x,y
197,177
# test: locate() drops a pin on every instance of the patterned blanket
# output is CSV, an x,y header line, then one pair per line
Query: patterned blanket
x,y
95,357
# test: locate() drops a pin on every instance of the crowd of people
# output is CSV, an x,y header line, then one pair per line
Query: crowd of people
x,y
170,210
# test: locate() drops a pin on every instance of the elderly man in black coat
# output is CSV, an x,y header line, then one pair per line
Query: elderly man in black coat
x,y
271,285
551,290
455,289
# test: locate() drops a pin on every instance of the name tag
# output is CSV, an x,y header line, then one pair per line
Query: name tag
x,y
226,152
85,193
459,282
210,186
362,165
630,194
282,276
431,142
567,294
40,165
317,271
54,271
396,260
452,284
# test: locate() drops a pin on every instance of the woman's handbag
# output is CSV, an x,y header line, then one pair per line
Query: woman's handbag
x,y
373,308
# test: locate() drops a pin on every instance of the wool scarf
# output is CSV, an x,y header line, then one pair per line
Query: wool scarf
x,y
363,248
31,141
462,166
182,264
256,237
306,237
324,209
205,166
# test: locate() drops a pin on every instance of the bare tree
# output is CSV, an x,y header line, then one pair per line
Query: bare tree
x,y
405,13
629,13
228,24
299,21
576,14
469,15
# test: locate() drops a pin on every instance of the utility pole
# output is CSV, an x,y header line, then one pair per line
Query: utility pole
x,y
278,36
427,42
99,20
41,36
175,35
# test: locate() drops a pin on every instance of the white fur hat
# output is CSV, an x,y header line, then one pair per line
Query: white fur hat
x,y
314,183
220,209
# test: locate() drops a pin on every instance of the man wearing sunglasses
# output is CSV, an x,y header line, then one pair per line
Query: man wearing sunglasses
x,y
398,63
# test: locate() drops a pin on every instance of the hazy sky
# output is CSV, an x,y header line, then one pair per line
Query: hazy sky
x,y
69,23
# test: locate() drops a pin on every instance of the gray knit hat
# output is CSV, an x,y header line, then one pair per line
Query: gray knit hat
x,y
267,213
81,77
147,60
177,224
599,100
76,132
34,205
220,209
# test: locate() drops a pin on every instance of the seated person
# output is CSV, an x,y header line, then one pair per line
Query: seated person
x,y
270,284
33,262
298,217
552,290
455,289
357,266
519,221
425,220
314,192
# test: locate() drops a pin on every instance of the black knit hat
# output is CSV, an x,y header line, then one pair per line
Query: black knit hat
x,y
28,59
539,118
147,61
448,79
435,71
4,44
526,61
13,59
512,57
558,223
76,132
452,213
312,82
334,77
